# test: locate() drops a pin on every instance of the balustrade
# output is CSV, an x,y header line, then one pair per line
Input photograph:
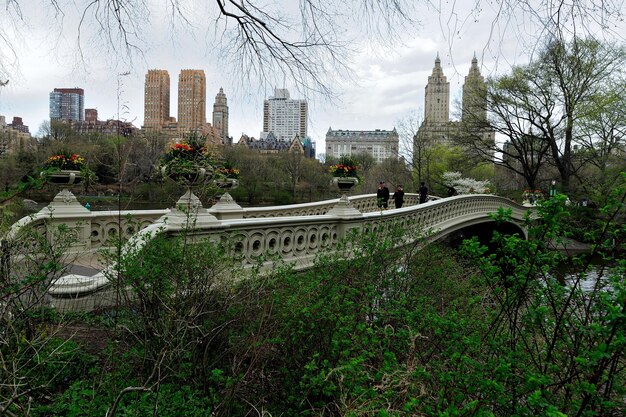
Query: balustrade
x,y
295,234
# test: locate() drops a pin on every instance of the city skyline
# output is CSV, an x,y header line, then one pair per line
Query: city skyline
x,y
358,118
385,84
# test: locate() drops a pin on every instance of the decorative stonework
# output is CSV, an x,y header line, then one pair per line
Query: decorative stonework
x,y
65,204
344,208
298,240
189,212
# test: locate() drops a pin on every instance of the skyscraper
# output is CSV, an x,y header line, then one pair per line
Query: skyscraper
x,y
220,116
156,98
437,96
285,117
191,100
474,89
67,104
437,126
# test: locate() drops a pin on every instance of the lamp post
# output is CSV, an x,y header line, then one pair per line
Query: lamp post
x,y
552,188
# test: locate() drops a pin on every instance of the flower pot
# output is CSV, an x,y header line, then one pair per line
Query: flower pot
x,y
63,177
345,183
227,183
189,178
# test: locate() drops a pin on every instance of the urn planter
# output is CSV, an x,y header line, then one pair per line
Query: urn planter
x,y
227,183
345,183
344,208
63,177
189,178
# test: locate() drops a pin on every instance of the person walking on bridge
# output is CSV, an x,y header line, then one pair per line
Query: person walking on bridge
x,y
382,195
423,193
398,196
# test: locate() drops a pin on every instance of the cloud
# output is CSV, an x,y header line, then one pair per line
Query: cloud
x,y
388,81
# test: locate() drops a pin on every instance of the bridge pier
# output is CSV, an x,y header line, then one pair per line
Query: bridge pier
x,y
227,208
65,212
345,209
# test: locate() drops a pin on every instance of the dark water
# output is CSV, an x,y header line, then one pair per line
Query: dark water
x,y
596,276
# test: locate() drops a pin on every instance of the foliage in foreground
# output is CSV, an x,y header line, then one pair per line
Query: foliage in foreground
x,y
391,332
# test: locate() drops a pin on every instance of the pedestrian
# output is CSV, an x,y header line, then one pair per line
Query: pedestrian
x,y
423,192
382,195
398,196
452,192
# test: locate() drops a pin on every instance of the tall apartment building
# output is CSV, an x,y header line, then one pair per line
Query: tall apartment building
x,y
67,104
220,116
284,117
14,137
474,89
156,99
191,100
437,96
437,126
380,144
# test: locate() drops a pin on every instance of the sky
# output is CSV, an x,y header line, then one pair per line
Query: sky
x,y
386,81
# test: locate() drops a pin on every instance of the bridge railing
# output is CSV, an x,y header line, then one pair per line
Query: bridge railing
x,y
292,234
95,230
298,239
295,240
365,203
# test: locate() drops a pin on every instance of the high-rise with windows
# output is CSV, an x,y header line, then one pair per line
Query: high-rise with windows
x,y
67,104
284,116
156,98
220,116
191,100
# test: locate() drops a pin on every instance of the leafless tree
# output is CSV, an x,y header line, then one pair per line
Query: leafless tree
x,y
306,41
530,22
293,165
417,150
539,107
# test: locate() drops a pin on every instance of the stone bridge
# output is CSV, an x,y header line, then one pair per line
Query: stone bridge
x,y
294,234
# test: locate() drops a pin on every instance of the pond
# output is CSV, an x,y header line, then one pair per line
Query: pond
x,y
596,277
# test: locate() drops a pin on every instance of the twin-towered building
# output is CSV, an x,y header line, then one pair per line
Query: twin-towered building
x,y
437,128
191,106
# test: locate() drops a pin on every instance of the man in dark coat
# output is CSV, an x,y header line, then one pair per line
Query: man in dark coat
x,y
382,195
423,193
398,196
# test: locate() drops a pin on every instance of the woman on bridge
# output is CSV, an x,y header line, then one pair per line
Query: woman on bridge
x,y
398,196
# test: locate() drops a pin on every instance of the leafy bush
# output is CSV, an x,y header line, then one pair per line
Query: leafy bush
x,y
371,329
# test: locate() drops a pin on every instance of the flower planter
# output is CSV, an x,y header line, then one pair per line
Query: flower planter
x,y
227,183
189,178
63,177
345,183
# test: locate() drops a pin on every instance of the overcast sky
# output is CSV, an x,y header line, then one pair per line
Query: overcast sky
x,y
387,83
